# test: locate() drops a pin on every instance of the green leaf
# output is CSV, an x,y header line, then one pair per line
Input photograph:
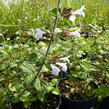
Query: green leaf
x,y
25,96
56,91
53,82
47,86
45,69
54,11
86,65
41,44
15,86
37,85
102,91
33,57
2,39
28,78
29,71
12,88
41,95
29,68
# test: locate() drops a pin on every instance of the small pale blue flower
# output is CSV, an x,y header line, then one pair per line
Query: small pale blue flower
x,y
39,33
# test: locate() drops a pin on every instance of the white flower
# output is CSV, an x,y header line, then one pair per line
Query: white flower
x,y
8,39
80,11
77,12
55,70
65,59
39,34
63,66
72,17
76,33
57,30
17,37
50,9
21,44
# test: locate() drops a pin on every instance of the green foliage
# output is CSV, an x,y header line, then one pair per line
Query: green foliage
x,y
100,91
23,15
28,68
21,55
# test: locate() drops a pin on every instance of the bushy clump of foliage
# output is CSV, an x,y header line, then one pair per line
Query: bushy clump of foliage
x,y
65,39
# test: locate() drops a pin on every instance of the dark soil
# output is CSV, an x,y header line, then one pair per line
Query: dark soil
x,y
76,90
51,103
105,103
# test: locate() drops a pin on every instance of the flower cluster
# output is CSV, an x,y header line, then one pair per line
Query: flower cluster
x,y
39,32
61,66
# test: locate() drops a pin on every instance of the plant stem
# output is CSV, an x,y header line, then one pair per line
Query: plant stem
x,y
39,70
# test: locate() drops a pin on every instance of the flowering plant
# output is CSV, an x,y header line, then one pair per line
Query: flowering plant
x,y
30,67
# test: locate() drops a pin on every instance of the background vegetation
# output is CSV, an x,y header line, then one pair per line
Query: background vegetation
x,y
25,71
22,15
